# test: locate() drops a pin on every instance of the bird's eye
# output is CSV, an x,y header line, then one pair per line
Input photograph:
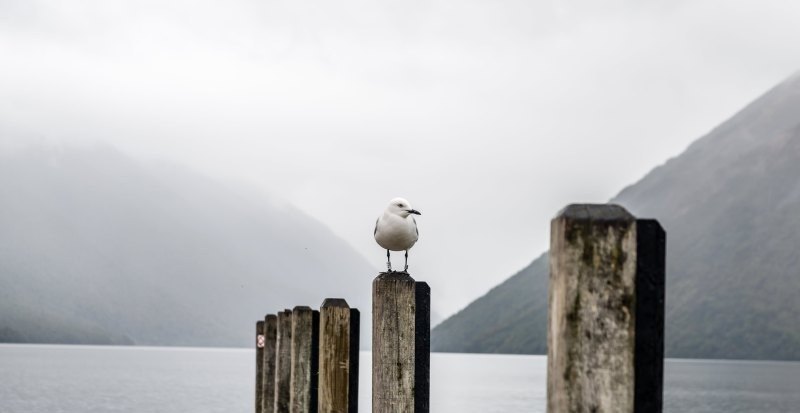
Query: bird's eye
x,y
400,205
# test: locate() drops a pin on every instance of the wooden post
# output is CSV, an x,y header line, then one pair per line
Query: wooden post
x,y
259,365
338,357
400,344
268,386
283,362
305,360
606,314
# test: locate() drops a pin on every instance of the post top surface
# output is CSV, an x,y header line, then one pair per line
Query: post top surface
x,y
270,317
302,308
595,212
260,323
335,302
394,276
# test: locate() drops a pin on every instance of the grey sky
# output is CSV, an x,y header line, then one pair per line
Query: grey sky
x,y
489,116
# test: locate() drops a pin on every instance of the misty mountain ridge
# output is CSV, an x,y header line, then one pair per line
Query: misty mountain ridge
x,y
730,205
98,248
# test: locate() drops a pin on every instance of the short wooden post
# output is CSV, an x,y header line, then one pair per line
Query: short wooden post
x,y
268,386
400,334
259,366
283,362
305,360
338,357
606,312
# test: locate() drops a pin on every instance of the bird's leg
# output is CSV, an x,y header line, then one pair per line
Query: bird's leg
x,y
406,270
388,261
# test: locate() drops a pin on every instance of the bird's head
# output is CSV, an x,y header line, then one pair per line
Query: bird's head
x,y
401,207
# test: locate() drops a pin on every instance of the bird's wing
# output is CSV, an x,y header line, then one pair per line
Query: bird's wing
x,y
376,227
416,228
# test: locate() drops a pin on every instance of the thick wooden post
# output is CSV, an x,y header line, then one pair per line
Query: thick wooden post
x,y
283,362
338,357
606,314
268,381
305,360
400,327
259,365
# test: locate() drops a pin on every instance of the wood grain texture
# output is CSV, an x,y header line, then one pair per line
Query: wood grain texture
x,y
336,367
394,342
593,332
283,362
268,380
304,360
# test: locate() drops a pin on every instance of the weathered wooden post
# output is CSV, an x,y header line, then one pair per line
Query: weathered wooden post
x,y
606,316
283,360
268,381
259,366
338,357
305,360
400,344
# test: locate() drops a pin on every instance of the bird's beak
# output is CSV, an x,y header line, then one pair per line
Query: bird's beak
x,y
414,211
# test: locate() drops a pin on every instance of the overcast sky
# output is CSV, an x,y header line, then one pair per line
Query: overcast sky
x,y
489,116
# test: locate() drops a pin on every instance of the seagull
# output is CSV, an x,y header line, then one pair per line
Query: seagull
x,y
396,229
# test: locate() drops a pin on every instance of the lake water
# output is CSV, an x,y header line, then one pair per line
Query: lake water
x,y
83,379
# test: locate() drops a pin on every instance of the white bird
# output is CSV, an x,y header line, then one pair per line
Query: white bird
x,y
396,229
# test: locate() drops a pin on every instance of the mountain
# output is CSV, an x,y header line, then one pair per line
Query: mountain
x,y
98,248
730,205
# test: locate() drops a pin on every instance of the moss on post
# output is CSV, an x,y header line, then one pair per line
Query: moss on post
x,y
601,357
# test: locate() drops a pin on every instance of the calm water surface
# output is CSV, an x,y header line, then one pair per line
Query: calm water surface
x,y
79,379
